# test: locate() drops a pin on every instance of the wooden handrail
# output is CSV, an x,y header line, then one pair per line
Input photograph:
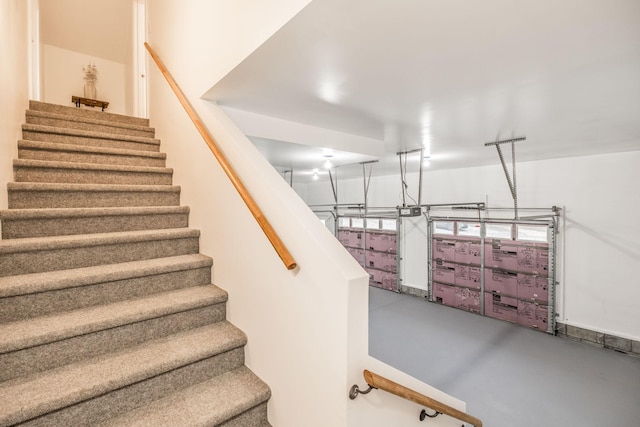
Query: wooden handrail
x,y
376,381
268,230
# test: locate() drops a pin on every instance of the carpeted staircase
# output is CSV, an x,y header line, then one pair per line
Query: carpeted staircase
x,y
107,312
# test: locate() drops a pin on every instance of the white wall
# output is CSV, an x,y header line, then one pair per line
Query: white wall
x,y
600,257
14,85
97,29
63,77
307,328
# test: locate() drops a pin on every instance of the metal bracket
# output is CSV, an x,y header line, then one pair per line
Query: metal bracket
x,y
402,156
512,184
355,391
290,173
423,414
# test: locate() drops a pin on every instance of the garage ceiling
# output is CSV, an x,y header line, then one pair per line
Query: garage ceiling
x,y
374,77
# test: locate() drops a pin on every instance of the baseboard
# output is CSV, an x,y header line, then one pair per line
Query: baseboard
x,y
599,339
422,293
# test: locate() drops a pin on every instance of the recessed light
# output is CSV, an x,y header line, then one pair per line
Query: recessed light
x,y
327,153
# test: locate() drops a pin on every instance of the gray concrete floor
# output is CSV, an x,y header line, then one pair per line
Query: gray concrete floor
x,y
509,376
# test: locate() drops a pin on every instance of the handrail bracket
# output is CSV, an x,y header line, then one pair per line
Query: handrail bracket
x,y
424,414
355,391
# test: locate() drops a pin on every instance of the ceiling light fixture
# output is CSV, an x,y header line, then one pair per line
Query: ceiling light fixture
x,y
327,164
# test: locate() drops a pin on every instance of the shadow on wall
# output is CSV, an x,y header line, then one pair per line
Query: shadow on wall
x,y
618,244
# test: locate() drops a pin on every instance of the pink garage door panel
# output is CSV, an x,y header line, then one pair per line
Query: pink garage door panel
x,y
383,242
533,315
388,262
468,299
501,281
374,259
444,272
375,276
501,256
350,238
468,251
389,281
358,254
444,294
501,307
343,237
444,249
525,257
534,288
382,260
467,275
534,258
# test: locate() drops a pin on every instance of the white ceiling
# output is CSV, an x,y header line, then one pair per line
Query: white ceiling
x,y
448,75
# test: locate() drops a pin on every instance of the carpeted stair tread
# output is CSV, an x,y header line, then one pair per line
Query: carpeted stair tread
x,y
74,121
86,149
47,329
22,223
36,195
86,113
88,133
87,240
26,398
208,403
61,279
28,163
40,186
26,170
9,214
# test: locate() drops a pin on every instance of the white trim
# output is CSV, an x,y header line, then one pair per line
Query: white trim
x,y
140,105
33,10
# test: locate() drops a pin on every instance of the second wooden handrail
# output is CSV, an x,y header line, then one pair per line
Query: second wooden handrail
x,y
268,230
377,382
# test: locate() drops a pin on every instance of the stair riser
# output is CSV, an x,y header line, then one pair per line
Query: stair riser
x,y
23,307
90,142
254,417
70,124
42,227
19,199
76,257
94,114
83,176
95,158
49,356
91,412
